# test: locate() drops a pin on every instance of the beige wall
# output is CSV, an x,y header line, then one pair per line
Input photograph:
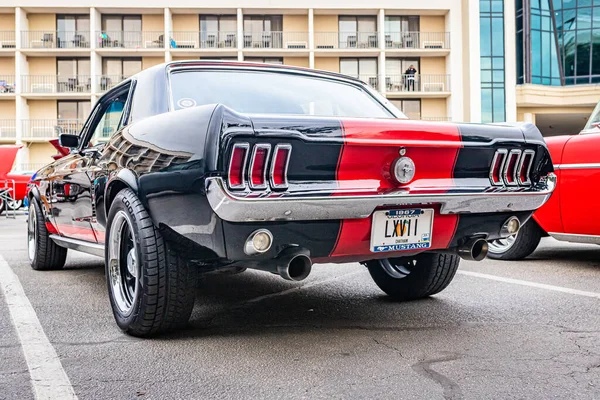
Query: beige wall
x,y
433,108
530,95
7,66
42,109
7,22
148,62
186,22
7,109
42,65
42,22
295,23
183,58
521,111
328,63
433,65
326,23
296,61
432,23
41,153
153,23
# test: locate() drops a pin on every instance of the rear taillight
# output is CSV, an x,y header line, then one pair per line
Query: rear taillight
x,y
258,166
279,167
511,168
237,166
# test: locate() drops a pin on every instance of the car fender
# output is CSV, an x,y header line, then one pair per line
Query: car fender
x,y
117,181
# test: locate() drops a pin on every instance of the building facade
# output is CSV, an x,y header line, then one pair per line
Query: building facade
x,y
57,57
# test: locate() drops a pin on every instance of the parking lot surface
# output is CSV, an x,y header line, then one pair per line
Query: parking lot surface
x,y
528,329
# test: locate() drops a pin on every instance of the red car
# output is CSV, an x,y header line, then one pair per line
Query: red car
x,y
571,214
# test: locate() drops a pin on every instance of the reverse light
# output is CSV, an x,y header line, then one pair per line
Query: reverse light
x,y
258,242
237,166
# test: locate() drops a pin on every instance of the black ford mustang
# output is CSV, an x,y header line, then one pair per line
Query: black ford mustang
x,y
192,167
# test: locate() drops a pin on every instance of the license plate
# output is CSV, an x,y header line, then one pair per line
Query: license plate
x,y
397,230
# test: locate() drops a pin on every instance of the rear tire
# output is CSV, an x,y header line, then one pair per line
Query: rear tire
x,y
43,253
419,276
518,246
2,206
156,293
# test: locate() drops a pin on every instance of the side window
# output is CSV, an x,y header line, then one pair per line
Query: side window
x,y
110,121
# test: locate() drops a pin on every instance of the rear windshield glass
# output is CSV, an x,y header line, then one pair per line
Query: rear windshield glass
x,y
258,92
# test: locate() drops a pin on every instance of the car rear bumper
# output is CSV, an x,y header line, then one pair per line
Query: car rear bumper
x,y
232,208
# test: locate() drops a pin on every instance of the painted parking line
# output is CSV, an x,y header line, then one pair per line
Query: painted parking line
x,y
530,284
48,377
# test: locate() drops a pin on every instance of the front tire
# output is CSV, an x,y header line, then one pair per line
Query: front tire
x,y
151,288
43,253
410,278
519,246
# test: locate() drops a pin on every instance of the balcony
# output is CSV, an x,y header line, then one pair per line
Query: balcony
x,y
425,85
8,130
276,40
417,43
7,40
369,79
345,40
46,129
52,84
204,40
151,40
7,85
107,82
55,40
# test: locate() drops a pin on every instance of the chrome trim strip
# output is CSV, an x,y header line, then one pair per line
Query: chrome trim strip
x,y
236,146
237,209
255,149
575,238
524,157
578,166
503,153
512,153
94,249
285,168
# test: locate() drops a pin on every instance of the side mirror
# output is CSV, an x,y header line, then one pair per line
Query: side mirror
x,y
69,141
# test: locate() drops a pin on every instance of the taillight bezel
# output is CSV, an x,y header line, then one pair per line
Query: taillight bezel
x,y
506,174
246,147
526,154
255,149
278,148
499,153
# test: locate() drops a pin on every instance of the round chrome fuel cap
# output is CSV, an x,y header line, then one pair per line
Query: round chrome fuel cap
x,y
404,169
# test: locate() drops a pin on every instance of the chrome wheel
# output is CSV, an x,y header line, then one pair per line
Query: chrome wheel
x,y
31,232
14,204
123,266
395,268
500,246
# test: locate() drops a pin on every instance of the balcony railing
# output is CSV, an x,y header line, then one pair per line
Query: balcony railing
x,y
7,40
131,40
8,129
31,166
417,83
417,40
56,84
7,84
421,118
49,128
55,39
276,40
370,79
346,40
204,40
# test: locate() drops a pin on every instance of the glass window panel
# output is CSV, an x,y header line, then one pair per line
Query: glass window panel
x,y
112,66
367,24
486,62
132,23
584,18
596,52
131,67
67,110
209,23
498,76
349,67
66,68
83,66
83,110
228,23
498,36
112,23
498,105
498,63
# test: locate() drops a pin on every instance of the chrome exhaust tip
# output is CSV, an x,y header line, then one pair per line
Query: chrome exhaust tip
x,y
473,250
297,268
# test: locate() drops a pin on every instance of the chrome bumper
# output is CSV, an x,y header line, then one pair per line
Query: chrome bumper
x,y
295,208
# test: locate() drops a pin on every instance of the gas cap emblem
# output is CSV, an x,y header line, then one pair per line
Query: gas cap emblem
x,y
404,169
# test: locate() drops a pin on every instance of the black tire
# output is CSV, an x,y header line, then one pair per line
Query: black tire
x,y
2,206
43,253
527,240
430,273
165,284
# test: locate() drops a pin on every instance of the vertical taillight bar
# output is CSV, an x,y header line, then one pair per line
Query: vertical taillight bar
x,y
510,169
257,176
279,166
237,166
498,167
524,170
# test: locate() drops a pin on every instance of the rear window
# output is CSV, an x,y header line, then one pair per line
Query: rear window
x,y
257,92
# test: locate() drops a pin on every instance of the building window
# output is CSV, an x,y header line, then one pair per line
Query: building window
x,y
73,74
72,114
73,31
218,31
491,20
263,31
114,70
399,77
402,31
122,30
268,60
357,31
410,108
364,69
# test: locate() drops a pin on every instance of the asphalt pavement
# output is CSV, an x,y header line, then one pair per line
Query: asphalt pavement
x,y
501,330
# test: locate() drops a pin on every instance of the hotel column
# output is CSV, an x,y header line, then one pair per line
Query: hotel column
x,y
240,34
311,38
381,42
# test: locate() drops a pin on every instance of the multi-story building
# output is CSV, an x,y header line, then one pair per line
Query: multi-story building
x,y
57,56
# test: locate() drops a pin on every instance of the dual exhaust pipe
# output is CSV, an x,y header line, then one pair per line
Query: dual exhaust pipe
x,y
474,250
292,264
